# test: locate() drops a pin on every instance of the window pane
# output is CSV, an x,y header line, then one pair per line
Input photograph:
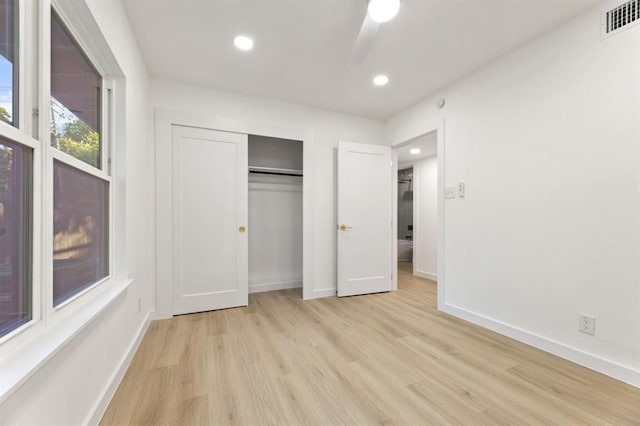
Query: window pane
x,y
75,98
7,60
80,231
15,236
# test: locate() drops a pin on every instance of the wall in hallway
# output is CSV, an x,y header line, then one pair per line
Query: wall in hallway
x,y
425,247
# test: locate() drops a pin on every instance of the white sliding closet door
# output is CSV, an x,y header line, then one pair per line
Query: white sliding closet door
x,y
210,214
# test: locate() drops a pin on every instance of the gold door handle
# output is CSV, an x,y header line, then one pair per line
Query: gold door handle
x,y
345,227
242,229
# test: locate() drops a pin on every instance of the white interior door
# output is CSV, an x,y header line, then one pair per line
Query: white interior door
x,y
210,216
364,218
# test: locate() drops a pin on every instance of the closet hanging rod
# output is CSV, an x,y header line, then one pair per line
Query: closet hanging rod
x,y
275,171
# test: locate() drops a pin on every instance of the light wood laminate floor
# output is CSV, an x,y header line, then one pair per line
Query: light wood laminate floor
x,y
376,359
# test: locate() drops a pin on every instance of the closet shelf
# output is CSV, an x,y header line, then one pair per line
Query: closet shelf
x,y
275,171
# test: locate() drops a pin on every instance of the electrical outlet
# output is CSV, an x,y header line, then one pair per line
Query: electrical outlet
x,y
587,324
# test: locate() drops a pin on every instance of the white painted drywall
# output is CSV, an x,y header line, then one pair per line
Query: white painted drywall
x,y
275,232
425,218
261,116
69,388
547,140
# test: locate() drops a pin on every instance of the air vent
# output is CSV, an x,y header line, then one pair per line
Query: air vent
x,y
622,16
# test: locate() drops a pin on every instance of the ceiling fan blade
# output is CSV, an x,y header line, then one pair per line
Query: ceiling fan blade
x,y
366,37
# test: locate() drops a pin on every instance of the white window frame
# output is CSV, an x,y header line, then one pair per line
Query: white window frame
x,y
51,313
21,132
16,135
25,349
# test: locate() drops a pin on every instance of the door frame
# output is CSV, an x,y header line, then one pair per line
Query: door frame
x,y
437,126
164,120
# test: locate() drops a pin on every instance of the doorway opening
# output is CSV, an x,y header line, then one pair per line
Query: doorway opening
x,y
275,214
405,219
417,211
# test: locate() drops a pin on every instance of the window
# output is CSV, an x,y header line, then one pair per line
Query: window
x,y
58,263
15,240
59,186
15,190
76,89
80,193
80,231
8,74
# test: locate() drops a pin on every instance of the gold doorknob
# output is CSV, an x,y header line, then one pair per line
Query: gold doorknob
x,y
242,229
345,227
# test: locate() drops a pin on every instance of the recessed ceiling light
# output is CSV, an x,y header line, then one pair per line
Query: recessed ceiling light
x,y
380,80
415,151
243,42
383,10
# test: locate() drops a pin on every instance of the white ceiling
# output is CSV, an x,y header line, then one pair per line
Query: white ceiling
x,y
302,47
428,145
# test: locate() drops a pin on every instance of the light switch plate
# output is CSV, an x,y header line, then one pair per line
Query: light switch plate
x,y
450,192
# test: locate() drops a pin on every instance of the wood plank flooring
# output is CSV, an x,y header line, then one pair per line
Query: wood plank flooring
x,y
376,359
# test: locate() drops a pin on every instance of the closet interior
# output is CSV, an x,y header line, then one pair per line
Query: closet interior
x,y
275,213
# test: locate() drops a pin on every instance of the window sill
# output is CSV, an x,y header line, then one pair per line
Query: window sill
x,y
44,343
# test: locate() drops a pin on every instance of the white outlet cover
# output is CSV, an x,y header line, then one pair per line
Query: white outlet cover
x,y
587,324
450,192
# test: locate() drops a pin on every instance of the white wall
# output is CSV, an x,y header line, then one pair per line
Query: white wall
x,y
425,218
547,140
273,118
70,387
275,232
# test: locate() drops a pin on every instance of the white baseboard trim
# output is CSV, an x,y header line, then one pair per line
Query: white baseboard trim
x,y
100,406
427,275
159,316
278,285
586,359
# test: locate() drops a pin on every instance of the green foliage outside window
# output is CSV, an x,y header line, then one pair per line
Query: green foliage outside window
x,y
72,135
5,116
79,140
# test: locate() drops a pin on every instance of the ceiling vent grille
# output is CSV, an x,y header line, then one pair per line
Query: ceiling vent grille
x,y
622,16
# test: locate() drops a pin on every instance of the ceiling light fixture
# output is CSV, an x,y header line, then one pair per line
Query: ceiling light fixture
x,y
381,80
243,42
383,10
415,151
